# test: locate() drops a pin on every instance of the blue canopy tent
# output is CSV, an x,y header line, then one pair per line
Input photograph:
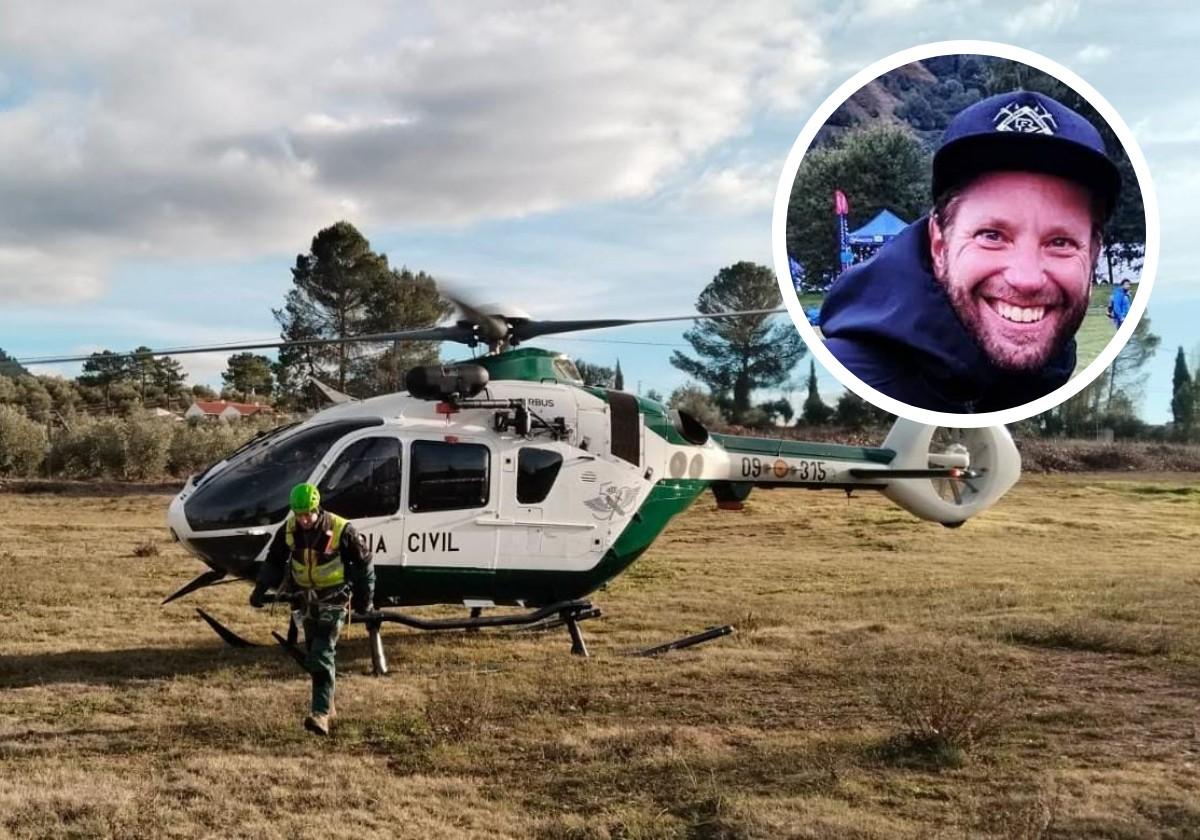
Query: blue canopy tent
x,y
874,234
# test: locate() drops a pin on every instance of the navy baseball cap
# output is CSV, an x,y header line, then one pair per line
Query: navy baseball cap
x,y
1025,131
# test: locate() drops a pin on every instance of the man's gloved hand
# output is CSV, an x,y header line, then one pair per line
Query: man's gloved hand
x,y
256,597
359,605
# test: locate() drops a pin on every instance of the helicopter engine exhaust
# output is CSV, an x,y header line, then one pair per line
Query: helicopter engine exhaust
x,y
452,382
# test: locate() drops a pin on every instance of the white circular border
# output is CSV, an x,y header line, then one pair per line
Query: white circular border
x,y
783,271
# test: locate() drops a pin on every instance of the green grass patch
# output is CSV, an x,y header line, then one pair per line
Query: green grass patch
x,y
1096,330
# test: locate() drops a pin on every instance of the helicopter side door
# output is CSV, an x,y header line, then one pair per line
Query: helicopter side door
x,y
545,526
364,484
451,502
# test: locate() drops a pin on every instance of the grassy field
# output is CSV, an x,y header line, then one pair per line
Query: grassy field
x,y
1033,674
1093,336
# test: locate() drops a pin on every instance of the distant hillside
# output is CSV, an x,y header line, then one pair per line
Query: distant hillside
x,y
9,367
922,96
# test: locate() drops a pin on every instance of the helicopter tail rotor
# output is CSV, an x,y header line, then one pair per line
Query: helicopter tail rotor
x,y
968,470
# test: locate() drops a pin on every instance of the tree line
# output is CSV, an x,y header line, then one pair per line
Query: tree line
x,y
93,425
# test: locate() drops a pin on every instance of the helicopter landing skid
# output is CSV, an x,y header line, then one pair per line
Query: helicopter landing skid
x,y
569,613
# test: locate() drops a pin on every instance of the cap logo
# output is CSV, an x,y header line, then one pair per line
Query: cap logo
x,y
1027,119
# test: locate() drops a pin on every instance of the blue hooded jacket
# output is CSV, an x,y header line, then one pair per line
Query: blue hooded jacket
x,y
1120,305
890,322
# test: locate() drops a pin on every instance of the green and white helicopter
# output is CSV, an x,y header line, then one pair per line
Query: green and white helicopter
x,y
506,482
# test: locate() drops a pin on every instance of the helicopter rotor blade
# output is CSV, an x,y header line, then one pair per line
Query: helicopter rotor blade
x,y
454,332
228,636
332,394
475,327
532,329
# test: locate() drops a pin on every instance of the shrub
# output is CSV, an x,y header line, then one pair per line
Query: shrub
x,y
146,549
92,448
22,443
149,442
947,697
195,446
141,448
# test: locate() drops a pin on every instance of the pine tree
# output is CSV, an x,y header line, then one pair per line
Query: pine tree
x,y
1183,397
619,378
169,379
248,375
104,370
815,411
342,288
739,355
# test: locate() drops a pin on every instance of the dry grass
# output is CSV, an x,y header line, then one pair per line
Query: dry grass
x,y
1056,636
948,697
146,549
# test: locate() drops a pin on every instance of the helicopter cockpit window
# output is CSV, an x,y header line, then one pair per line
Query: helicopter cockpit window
x,y
536,471
448,476
565,369
365,480
252,489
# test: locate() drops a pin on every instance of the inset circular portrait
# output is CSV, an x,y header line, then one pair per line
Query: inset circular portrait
x,y
965,234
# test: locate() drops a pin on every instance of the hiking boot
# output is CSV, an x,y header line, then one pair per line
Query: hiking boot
x,y
317,724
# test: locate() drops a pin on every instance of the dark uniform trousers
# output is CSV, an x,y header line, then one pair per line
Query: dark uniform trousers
x,y
322,627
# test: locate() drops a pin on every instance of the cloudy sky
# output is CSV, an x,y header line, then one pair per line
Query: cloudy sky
x,y
161,165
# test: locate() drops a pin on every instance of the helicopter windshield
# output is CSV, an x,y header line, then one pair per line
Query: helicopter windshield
x,y
566,369
253,488
258,440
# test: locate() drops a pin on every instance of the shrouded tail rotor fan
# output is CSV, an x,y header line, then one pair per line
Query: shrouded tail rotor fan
x,y
987,457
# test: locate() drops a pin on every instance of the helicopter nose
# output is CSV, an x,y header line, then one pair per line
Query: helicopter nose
x,y
234,554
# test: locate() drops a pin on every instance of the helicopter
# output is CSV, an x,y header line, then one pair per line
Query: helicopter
x,y
505,481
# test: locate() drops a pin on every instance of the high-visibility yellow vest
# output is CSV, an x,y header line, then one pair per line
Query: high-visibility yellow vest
x,y
318,568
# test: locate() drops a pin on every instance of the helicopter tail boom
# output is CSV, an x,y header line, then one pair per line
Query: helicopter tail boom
x,y
937,479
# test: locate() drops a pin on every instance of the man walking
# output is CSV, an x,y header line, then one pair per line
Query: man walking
x,y
330,570
1120,303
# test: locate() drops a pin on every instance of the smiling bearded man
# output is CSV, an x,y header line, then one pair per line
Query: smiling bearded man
x,y
975,307
1015,253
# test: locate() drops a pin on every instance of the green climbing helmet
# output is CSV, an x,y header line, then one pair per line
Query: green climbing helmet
x,y
305,498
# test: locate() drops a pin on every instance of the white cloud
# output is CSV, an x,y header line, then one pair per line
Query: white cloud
x,y
1042,18
875,9
227,129
33,275
1171,127
733,189
1093,54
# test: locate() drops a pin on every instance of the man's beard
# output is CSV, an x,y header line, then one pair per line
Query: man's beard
x,y
1006,355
